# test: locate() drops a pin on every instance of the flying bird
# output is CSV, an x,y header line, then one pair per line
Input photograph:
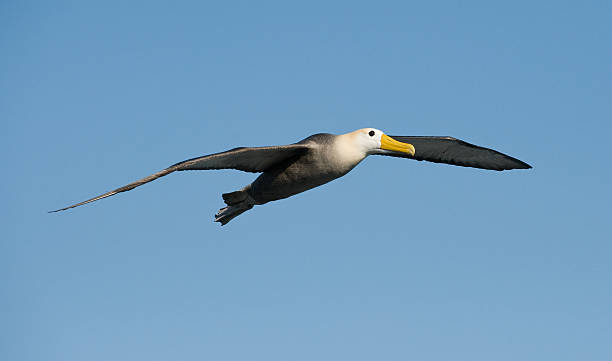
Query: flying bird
x,y
291,169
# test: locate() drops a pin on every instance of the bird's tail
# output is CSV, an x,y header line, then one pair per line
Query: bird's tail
x,y
237,203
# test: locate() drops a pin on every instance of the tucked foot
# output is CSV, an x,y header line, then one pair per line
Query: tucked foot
x,y
237,203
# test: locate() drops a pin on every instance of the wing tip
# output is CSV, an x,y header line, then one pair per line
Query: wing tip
x,y
521,165
66,208
105,195
62,209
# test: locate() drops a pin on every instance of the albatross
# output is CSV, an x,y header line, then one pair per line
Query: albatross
x,y
287,170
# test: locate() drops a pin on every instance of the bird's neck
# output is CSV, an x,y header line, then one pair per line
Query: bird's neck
x,y
346,154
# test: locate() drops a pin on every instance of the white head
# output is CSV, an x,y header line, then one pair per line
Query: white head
x,y
372,141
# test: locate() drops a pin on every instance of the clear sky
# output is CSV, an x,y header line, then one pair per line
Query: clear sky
x,y
399,260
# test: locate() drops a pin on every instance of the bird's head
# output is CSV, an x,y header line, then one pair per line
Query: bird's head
x,y
372,141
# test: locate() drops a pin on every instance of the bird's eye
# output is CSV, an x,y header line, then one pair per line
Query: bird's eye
x,y
371,133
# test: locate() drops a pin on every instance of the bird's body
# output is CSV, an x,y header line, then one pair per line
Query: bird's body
x,y
319,164
321,158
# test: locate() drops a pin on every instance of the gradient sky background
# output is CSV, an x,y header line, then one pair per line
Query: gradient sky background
x,y
399,260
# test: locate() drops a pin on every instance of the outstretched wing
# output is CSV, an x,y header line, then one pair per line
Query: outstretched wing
x,y
454,151
257,159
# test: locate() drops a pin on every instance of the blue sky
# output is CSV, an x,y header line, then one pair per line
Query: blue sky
x,y
398,260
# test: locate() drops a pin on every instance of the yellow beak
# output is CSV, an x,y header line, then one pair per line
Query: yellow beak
x,y
388,143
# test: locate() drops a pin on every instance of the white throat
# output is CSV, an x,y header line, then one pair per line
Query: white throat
x,y
347,152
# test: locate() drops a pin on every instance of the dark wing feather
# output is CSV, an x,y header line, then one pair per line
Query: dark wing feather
x,y
454,151
257,159
245,159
